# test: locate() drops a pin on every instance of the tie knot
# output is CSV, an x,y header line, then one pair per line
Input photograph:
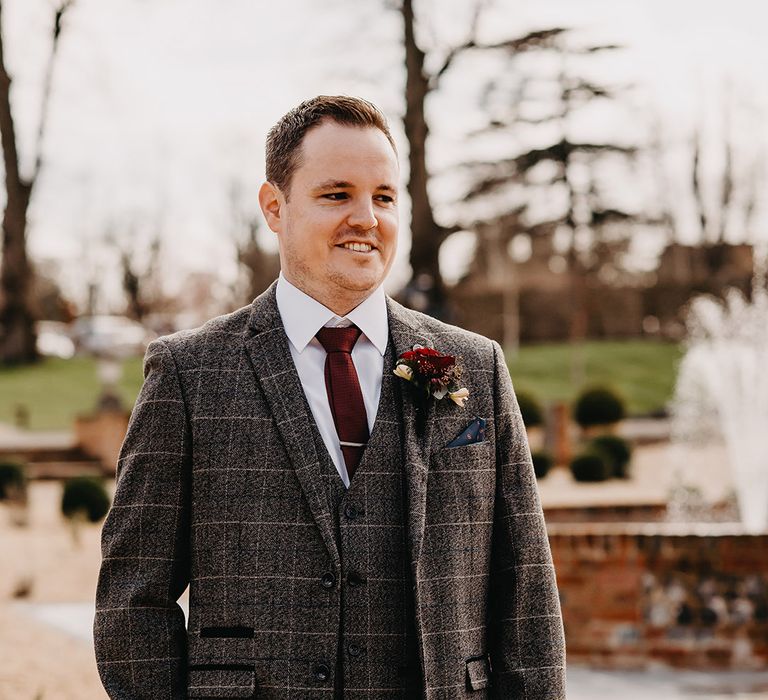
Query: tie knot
x,y
338,339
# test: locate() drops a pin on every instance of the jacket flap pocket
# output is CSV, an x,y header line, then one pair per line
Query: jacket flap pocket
x,y
221,681
478,672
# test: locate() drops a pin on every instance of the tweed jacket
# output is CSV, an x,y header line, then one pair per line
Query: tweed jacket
x,y
219,489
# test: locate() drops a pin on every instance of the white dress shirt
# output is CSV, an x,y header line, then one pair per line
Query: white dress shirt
x,y
302,317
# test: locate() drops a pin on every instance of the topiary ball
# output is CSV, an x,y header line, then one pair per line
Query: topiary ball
x,y
530,408
542,463
13,479
617,451
599,406
590,466
87,495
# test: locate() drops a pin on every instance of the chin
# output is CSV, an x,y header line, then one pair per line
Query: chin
x,y
357,281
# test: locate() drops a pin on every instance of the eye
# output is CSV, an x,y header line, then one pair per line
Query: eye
x,y
385,198
336,196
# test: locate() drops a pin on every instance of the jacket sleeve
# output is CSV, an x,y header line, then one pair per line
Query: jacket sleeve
x,y
526,640
139,629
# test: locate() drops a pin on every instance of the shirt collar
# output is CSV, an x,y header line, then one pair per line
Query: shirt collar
x,y
303,316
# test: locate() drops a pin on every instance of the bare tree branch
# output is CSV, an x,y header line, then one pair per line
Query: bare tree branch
x,y
470,43
7,127
47,82
698,195
540,39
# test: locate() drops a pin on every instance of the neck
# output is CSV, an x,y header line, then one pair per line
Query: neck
x,y
340,301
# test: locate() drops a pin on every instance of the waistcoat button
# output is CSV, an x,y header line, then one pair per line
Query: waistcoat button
x,y
354,650
351,512
355,579
328,580
321,672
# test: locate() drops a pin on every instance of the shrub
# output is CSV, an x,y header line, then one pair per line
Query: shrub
x,y
598,406
85,495
542,463
590,465
13,480
617,452
531,409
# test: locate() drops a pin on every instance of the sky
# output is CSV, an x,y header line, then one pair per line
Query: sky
x,y
160,107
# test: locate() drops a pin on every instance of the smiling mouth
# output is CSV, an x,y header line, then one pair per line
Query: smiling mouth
x,y
357,247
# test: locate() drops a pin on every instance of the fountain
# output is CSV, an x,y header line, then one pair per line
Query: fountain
x,y
722,389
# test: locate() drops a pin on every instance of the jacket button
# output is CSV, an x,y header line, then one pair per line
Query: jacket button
x,y
354,650
328,580
321,672
355,579
351,512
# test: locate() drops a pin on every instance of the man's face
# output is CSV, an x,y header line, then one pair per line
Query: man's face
x,y
343,195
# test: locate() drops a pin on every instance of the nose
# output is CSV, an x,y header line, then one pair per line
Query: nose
x,y
362,216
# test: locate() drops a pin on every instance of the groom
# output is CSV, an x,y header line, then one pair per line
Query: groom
x,y
340,538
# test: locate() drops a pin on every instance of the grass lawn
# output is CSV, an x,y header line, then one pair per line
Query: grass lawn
x,y
55,391
642,371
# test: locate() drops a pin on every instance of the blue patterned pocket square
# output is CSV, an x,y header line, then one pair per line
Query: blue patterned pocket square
x,y
474,432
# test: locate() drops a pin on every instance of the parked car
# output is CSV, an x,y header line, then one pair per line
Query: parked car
x,y
114,336
53,340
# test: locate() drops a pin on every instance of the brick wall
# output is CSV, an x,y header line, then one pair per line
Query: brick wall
x,y
693,596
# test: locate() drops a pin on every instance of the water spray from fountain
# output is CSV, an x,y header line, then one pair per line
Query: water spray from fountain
x,y
722,387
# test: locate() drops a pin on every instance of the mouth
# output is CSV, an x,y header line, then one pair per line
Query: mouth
x,y
357,247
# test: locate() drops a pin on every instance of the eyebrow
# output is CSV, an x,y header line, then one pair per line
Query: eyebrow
x,y
344,185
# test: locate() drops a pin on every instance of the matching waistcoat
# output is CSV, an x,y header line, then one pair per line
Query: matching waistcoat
x,y
377,637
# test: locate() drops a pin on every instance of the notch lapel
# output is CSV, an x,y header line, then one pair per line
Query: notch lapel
x,y
407,332
267,347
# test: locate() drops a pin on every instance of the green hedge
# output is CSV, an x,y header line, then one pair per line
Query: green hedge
x,y
13,479
599,405
530,408
617,452
542,463
86,495
590,466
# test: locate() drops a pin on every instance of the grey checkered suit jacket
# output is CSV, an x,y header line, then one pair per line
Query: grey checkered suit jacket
x,y
219,488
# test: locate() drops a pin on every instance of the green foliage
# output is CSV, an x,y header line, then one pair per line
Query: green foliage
x,y
542,463
85,495
643,371
531,409
590,466
599,405
55,390
13,479
617,452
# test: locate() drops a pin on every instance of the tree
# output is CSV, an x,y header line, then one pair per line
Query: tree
x,y
427,236
259,267
141,285
17,321
581,222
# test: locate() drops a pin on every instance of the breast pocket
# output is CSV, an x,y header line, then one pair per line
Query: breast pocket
x,y
462,482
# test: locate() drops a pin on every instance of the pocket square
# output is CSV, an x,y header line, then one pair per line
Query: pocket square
x,y
474,432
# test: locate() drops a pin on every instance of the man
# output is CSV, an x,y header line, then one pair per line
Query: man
x,y
341,536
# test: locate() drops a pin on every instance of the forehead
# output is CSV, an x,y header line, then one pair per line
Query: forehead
x,y
343,152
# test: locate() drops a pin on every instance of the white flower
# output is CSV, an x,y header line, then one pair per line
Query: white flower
x,y
404,372
459,396
440,393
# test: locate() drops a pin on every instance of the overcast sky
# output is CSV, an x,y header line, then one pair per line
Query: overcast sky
x,y
159,106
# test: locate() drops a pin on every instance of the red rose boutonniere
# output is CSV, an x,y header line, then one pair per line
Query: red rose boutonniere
x,y
431,374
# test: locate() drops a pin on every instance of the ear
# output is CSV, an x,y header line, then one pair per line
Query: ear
x,y
271,201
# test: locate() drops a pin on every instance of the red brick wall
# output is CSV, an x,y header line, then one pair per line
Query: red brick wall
x,y
636,594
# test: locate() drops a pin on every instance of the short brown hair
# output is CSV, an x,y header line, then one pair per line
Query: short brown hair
x,y
284,138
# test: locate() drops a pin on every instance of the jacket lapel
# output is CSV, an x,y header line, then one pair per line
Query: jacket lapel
x,y
267,348
407,332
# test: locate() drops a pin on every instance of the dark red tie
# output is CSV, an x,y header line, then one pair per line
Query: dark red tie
x,y
344,395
